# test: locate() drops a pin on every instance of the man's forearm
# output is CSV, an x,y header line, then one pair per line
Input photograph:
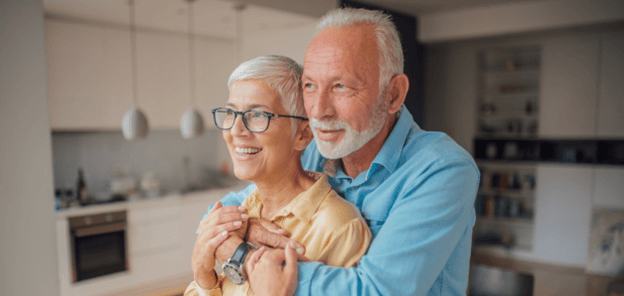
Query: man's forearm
x,y
227,248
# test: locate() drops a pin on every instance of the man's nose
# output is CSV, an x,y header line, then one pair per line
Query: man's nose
x,y
322,105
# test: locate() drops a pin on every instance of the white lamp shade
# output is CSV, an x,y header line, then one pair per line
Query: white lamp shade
x,y
134,124
191,124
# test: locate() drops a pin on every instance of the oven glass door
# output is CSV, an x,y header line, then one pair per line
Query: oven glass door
x,y
99,254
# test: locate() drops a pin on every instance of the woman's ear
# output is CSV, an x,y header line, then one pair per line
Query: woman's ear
x,y
304,136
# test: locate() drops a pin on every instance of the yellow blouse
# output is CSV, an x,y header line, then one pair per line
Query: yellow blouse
x,y
332,230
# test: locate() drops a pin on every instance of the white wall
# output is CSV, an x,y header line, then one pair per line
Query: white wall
x,y
517,17
28,261
162,152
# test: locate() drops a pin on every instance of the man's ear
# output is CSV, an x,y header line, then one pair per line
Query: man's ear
x,y
397,90
304,136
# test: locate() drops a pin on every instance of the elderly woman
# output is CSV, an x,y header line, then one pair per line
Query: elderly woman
x,y
265,128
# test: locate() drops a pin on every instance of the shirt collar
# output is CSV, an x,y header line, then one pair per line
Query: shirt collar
x,y
303,206
387,156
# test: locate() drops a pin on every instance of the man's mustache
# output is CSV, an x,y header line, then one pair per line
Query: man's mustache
x,y
328,124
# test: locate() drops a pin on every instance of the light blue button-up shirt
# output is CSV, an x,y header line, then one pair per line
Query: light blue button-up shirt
x,y
417,198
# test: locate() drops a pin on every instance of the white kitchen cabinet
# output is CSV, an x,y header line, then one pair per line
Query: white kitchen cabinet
x,y
569,86
611,91
163,78
563,213
154,245
193,210
214,62
89,74
609,188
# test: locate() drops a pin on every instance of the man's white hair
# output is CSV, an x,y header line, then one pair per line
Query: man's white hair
x,y
388,40
282,75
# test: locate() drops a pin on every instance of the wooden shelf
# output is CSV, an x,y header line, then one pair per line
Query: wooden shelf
x,y
522,222
509,193
534,70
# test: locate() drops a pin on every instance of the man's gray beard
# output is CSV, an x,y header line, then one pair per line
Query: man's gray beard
x,y
353,140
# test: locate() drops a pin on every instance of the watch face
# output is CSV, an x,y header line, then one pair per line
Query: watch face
x,y
233,274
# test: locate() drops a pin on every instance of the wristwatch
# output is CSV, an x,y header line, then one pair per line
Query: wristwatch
x,y
233,267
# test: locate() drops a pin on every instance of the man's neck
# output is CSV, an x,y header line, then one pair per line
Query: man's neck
x,y
361,160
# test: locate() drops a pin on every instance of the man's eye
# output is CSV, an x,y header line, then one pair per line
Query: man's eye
x,y
340,86
308,85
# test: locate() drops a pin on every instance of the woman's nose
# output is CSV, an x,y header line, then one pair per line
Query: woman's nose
x,y
239,129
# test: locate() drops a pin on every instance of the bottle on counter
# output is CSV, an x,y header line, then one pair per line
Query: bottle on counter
x,y
81,188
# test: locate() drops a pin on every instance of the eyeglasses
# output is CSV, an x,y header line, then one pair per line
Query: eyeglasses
x,y
255,121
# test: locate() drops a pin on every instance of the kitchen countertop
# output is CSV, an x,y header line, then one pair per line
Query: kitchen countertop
x,y
142,203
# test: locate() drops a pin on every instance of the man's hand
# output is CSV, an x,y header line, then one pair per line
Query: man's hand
x,y
268,275
213,231
262,232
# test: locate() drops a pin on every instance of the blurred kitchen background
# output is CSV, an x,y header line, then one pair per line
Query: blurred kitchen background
x,y
533,89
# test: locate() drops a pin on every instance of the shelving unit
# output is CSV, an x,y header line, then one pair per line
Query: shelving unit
x,y
505,205
508,92
508,104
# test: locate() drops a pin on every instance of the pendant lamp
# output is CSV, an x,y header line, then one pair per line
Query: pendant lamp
x,y
134,124
191,124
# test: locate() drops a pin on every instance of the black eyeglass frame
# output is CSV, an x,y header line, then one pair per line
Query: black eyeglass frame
x,y
242,114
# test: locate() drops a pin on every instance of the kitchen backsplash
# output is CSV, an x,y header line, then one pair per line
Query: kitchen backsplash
x,y
176,162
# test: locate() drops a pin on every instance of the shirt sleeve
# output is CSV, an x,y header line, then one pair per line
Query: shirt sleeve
x,y
425,225
194,289
347,245
232,199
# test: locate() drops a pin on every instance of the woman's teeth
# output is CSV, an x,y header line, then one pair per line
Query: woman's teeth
x,y
247,150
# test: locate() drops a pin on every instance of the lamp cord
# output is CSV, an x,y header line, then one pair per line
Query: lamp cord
x,y
191,46
133,54
239,31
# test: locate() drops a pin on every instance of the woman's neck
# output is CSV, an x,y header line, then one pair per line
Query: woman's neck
x,y
281,188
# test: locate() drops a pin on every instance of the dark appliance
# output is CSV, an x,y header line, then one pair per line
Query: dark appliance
x,y
98,245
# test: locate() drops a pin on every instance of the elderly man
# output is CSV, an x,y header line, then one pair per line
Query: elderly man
x,y
415,189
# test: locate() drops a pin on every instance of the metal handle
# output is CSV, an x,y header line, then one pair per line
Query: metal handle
x,y
95,230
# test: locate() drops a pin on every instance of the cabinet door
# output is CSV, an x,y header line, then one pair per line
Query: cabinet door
x,y
163,82
609,188
214,64
549,283
88,76
611,96
563,214
568,90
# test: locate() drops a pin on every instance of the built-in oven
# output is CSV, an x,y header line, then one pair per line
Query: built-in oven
x,y
98,245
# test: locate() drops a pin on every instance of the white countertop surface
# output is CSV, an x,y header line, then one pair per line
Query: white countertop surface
x,y
141,203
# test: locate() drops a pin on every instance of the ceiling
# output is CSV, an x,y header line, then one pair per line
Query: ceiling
x,y
217,18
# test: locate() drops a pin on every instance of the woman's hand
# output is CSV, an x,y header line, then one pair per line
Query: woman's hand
x,y
212,232
268,275
262,232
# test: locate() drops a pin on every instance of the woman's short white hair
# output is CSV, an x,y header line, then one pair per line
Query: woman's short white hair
x,y
388,40
282,75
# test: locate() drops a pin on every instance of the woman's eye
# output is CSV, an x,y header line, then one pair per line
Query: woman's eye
x,y
308,86
258,115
